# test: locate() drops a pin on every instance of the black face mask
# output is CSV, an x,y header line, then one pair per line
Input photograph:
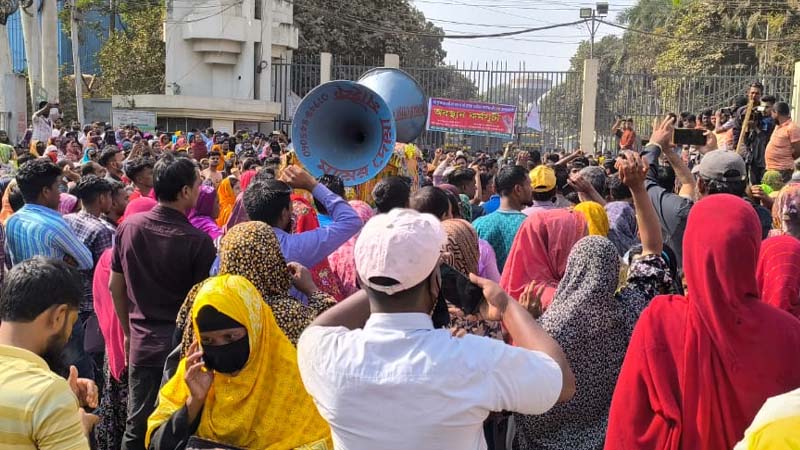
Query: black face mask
x,y
228,358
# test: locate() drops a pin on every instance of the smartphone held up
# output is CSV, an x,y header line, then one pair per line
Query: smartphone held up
x,y
689,136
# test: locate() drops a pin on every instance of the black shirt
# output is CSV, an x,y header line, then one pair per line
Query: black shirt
x,y
162,256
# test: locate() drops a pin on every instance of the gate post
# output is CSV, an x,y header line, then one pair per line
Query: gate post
x,y
391,60
796,90
589,105
325,67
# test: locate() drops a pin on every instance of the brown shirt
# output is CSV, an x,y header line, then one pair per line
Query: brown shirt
x,y
162,256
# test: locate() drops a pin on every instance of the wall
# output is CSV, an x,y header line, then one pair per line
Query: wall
x,y
91,43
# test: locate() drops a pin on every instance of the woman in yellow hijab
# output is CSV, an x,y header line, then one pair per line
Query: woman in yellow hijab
x,y
596,217
240,387
226,194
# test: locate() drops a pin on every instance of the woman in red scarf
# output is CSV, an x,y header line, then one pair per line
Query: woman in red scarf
x,y
699,367
304,218
540,250
779,273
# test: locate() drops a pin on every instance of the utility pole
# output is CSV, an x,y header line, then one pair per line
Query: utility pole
x,y
32,39
112,18
75,18
49,50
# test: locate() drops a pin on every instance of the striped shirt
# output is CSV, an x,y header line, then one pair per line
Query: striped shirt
x,y
98,236
38,411
37,230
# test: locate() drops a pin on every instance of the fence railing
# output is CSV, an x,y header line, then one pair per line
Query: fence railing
x,y
548,103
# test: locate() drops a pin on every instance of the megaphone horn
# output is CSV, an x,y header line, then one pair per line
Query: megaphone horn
x,y
405,98
344,128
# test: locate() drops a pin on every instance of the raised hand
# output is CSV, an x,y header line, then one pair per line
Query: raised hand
x,y
531,299
495,298
83,388
301,278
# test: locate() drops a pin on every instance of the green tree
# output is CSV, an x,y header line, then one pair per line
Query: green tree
x,y
364,28
132,60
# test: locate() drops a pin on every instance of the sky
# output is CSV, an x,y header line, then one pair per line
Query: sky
x,y
539,50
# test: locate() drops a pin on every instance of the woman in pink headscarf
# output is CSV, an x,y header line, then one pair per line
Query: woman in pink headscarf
x,y
342,261
204,214
114,403
540,251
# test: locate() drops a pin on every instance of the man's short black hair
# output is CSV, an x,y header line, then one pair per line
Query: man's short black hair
x,y
618,190
553,157
87,169
486,180
335,184
25,157
757,84
391,193
266,200
15,199
460,177
34,176
782,108
733,187
250,163
42,104
214,153
431,200
90,187
769,99
508,177
109,152
33,286
666,178
544,196
170,175
455,204
133,167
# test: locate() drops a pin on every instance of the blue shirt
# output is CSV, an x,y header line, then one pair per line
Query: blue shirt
x,y
37,230
492,204
309,248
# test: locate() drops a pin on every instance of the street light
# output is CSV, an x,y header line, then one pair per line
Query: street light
x,y
591,16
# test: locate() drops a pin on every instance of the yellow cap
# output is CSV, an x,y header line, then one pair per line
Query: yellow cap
x,y
543,179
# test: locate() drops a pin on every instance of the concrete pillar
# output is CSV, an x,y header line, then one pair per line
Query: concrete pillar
x,y
6,65
589,105
325,67
796,90
32,38
264,79
391,60
50,63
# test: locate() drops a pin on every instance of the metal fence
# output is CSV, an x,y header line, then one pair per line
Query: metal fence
x,y
490,82
548,103
645,97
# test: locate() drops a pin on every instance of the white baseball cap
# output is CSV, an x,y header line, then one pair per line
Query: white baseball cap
x,y
403,245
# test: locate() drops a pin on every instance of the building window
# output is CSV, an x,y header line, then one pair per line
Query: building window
x,y
183,124
259,5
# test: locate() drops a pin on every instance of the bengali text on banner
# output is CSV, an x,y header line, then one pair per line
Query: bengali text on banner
x,y
475,118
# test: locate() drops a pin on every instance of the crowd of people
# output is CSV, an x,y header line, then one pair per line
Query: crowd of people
x,y
203,291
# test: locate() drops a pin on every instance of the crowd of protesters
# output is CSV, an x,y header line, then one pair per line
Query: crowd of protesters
x,y
196,290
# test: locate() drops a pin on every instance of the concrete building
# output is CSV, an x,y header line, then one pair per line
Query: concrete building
x,y
219,56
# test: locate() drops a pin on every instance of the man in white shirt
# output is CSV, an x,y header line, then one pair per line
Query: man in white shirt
x,y
395,381
43,121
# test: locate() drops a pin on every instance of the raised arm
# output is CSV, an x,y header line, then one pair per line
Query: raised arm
x,y
662,137
633,170
523,328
